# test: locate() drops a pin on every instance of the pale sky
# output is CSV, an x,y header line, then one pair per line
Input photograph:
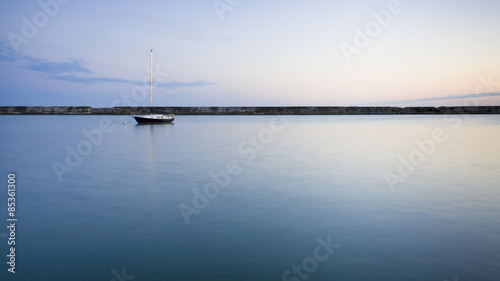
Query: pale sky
x,y
250,53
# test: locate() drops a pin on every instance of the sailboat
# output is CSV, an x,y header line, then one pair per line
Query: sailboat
x,y
153,118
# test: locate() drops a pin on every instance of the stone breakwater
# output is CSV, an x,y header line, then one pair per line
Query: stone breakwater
x,y
243,110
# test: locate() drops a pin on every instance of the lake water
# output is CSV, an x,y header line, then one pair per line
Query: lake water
x,y
253,198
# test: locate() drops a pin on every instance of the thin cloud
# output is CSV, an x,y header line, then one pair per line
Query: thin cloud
x,y
50,67
86,79
7,53
41,65
481,95
196,37
171,85
74,71
227,38
175,84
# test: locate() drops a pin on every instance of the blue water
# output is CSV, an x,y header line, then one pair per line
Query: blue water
x,y
107,205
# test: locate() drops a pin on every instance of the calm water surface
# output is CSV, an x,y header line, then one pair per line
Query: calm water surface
x,y
253,198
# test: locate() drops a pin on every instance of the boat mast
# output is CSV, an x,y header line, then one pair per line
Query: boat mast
x,y
151,85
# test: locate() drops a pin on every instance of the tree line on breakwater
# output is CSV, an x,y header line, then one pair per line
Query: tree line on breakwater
x,y
247,110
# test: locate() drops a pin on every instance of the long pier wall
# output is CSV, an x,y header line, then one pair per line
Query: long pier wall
x,y
242,110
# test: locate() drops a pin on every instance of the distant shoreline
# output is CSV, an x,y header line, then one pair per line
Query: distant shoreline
x,y
248,110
